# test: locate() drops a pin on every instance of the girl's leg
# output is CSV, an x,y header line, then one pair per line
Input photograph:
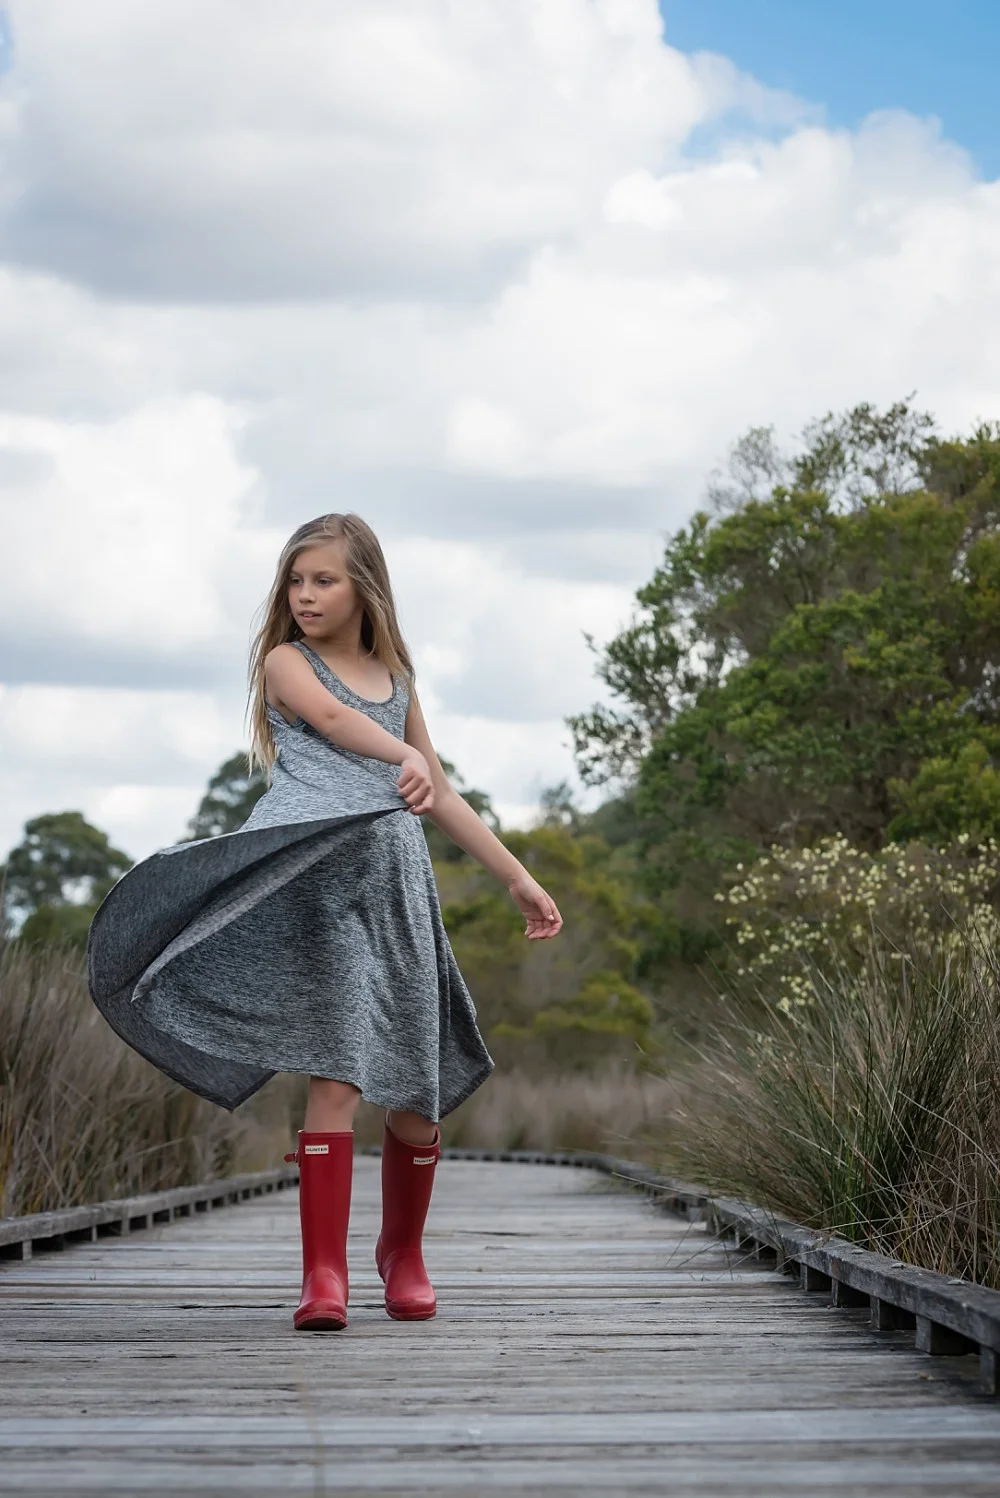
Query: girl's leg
x,y
411,1145
330,1106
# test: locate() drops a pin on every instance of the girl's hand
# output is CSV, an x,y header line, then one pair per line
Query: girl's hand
x,y
415,782
538,908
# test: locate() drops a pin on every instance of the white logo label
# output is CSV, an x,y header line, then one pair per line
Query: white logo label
x,y
423,1160
317,1149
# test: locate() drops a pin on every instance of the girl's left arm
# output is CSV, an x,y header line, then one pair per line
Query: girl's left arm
x,y
465,827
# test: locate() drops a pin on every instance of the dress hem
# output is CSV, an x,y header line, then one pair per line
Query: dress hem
x,y
375,1098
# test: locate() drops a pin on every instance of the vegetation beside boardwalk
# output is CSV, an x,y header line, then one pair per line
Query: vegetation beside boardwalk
x,y
779,971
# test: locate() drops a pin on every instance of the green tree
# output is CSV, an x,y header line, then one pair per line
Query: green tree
x,y
232,794
62,860
813,657
48,924
798,663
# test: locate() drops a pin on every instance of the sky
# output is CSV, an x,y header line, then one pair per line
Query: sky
x,y
507,280
859,56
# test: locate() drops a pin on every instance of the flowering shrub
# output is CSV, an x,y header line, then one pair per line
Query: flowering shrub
x,y
796,913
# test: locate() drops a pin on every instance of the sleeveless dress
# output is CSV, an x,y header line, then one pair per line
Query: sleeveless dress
x,y
310,940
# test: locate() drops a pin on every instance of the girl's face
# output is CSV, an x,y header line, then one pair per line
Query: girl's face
x,y
321,596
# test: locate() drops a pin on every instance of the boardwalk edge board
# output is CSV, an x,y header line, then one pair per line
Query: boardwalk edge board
x,y
948,1317
20,1237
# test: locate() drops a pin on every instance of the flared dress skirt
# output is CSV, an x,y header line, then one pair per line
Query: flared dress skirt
x,y
311,940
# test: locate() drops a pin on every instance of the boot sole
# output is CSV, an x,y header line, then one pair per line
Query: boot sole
x,y
403,1315
319,1321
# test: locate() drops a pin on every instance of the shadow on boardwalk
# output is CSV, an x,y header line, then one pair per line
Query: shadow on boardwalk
x,y
584,1344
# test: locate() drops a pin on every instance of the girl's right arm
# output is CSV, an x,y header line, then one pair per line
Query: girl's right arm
x,y
291,680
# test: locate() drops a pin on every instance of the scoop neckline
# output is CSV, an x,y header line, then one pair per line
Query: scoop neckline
x,y
369,701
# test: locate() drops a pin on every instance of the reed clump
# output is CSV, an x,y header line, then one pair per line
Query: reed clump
x,y
871,1107
82,1117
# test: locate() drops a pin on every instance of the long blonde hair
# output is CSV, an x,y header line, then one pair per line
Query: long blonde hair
x,y
381,635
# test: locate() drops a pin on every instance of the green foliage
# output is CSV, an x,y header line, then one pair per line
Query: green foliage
x,y
813,658
67,925
61,860
605,1006
949,797
574,1001
232,794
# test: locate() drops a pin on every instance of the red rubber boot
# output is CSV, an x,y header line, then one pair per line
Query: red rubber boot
x,y
326,1165
407,1183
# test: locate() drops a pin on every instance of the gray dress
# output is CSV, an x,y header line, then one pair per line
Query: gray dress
x,y
310,940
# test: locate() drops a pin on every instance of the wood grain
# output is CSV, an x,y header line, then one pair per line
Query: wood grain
x,y
586,1343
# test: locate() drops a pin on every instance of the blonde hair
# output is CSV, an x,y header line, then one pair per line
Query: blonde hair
x,y
381,635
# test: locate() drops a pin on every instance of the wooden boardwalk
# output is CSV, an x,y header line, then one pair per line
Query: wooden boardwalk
x,y
585,1344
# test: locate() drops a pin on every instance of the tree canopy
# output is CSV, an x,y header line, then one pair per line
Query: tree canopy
x,y
819,659
62,860
58,874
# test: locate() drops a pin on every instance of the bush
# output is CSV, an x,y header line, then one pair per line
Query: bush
x,y
872,1109
822,907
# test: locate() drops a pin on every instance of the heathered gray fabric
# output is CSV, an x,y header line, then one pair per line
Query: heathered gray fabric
x,y
310,940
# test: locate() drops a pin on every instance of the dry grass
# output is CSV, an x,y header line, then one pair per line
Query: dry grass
x,y
874,1110
616,1110
82,1117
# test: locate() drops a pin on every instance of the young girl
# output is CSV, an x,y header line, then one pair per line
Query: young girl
x,y
311,940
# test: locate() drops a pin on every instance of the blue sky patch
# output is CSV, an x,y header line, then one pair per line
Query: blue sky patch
x,y
855,57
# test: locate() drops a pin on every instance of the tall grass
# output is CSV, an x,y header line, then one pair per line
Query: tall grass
x,y
873,1109
82,1117
615,1109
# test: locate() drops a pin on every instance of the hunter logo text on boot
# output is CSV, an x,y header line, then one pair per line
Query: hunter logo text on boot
x,y
317,1149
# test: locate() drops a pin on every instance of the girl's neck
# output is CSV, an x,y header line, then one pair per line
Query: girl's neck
x,y
344,645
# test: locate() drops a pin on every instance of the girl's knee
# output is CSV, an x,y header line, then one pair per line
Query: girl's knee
x,y
331,1105
411,1128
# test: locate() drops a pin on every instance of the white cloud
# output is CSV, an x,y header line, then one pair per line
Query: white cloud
x,y
129,535
376,145
488,633
448,265
134,762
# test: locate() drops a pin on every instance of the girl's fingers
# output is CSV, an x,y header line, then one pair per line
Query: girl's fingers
x,y
543,920
415,790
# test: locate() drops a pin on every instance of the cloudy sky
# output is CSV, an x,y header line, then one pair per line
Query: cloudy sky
x,y
505,278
